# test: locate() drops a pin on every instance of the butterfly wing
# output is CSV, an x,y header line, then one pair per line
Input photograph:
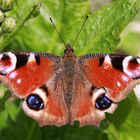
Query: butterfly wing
x,y
32,77
104,80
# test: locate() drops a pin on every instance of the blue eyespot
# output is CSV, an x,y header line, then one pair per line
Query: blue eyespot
x,y
103,102
34,102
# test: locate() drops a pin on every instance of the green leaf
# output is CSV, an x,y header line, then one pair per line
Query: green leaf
x,y
73,132
8,110
101,34
12,110
24,129
131,40
124,123
33,12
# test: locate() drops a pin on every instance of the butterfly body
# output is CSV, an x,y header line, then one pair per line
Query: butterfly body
x,y
60,90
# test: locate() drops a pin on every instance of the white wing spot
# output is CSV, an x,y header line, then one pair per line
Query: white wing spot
x,y
18,81
107,60
13,75
13,60
118,84
138,60
31,58
1,55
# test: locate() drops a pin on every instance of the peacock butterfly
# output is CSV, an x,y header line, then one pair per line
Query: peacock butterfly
x,y
59,90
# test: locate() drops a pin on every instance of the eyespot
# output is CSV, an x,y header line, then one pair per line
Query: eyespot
x,y
103,102
35,102
7,63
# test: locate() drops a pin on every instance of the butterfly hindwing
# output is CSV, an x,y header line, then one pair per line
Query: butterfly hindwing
x,y
107,80
32,77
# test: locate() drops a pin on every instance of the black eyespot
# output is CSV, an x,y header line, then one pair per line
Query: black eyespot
x,y
103,102
34,102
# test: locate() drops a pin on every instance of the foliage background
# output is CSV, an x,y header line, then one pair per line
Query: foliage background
x,y
101,34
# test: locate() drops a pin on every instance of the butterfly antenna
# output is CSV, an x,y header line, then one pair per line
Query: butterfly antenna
x,y
57,31
80,31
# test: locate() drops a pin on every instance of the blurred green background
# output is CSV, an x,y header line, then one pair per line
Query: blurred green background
x,y
112,27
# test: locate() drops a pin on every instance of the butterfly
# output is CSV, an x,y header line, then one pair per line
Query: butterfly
x,y
60,90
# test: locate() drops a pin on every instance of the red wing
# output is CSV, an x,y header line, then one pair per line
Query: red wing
x,y
107,80
31,76
25,72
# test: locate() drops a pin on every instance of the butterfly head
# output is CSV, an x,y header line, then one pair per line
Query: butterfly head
x,y
68,51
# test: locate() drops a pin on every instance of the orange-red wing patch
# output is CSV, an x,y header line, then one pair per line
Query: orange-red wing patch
x,y
24,80
106,76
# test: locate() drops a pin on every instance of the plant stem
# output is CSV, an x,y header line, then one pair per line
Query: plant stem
x,y
4,41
